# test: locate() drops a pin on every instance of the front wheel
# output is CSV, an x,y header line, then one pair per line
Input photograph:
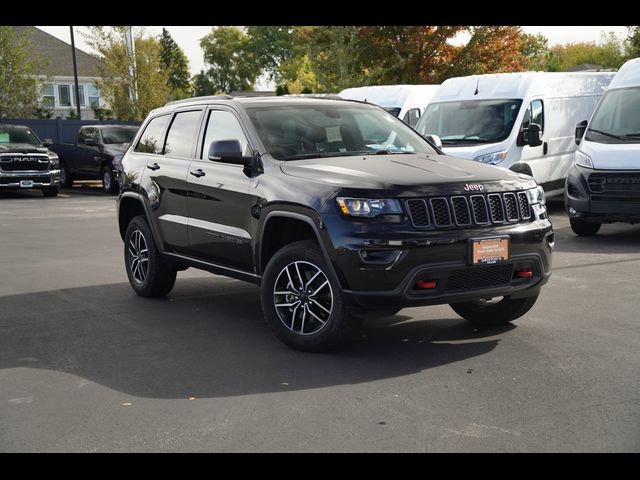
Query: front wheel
x,y
149,274
109,183
302,300
582,228
50,191
493,311
66,180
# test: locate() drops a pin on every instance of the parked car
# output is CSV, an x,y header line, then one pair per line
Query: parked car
x,y
96,155
25,161
521,121
407,102
337,209
604,184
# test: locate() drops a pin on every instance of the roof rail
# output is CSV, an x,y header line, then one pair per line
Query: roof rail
x,y
198,99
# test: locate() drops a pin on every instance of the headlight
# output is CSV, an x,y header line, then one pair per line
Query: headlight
x,y
367,207
117,161
536,196
492,158
583,160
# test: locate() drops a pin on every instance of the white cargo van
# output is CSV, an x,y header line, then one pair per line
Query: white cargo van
x,y
521,121
604,184
407,102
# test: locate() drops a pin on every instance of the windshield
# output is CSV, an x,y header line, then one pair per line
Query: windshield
x,y
10,134
470,122
118,135
617,119
314,131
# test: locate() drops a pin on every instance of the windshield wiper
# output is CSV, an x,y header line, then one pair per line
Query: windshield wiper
x,y
632,135
606,134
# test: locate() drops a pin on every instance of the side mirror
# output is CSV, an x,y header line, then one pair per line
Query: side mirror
x,y
47,142
92,142
533,134
580,129
228,151
435,139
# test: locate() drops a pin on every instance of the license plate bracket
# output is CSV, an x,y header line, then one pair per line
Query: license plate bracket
x,y
26,183
488,251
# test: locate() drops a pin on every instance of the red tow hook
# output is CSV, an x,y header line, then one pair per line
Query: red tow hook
x,y
426,284
524,273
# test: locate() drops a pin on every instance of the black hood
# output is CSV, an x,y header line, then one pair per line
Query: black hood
x,y
21,148
411,174
116,148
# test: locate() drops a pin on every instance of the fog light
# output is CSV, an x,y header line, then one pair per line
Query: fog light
x,y
573,212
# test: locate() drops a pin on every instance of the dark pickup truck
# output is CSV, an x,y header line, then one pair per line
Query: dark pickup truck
x,y
96,154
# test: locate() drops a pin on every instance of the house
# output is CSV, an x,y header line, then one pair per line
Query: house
x,y
58,91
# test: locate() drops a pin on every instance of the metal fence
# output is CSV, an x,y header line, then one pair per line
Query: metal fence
x,y
58,129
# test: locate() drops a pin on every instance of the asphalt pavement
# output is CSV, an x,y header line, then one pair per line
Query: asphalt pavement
x,y
87,366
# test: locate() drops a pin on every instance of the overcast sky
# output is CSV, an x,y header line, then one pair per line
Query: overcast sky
x,y
189,37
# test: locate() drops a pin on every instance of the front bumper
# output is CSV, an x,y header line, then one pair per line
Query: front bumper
x,y
607,202
394,263
46,179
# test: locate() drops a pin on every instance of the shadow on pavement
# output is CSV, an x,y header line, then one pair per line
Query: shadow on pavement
x,y
208,339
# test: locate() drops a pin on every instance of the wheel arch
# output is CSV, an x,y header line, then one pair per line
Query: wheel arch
x,y
130,205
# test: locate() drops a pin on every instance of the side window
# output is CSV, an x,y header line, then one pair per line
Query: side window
x,y
82,136
223,125
182,134
411,117
152,138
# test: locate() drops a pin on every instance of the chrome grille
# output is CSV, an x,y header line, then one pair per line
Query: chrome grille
x,y
469,211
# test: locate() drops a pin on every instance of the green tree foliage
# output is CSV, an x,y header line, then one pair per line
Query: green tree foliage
x,y
634,41
202,85
150,79
232,61
175,61
609,53
535,50
18,91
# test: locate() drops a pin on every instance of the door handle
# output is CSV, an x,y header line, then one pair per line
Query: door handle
x,y
197,173
155,166
545,148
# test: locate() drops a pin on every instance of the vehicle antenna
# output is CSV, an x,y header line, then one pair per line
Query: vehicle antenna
x,y
477,84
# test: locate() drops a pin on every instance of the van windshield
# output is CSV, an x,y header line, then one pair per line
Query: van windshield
x,y
318,131
470,122
617,120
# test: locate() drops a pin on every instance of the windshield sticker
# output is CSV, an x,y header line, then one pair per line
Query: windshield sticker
x,y
4,137
333,134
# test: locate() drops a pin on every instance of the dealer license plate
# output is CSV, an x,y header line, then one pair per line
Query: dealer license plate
x,y
489,250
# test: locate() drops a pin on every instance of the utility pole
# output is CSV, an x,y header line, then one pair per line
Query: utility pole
x,y
75,72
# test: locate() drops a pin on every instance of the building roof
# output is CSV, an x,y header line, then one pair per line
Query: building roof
x,y
57,57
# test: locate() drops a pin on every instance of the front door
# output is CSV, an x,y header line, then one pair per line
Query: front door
x,y
219,200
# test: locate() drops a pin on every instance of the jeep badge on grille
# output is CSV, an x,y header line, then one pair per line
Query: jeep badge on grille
x,y
473,187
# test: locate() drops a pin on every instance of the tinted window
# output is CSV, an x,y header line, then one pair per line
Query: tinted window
x,y
182,134
87,133
118,135
223,125
152,138
11,134
470,122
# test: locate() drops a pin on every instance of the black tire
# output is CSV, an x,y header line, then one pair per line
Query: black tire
x,y
50,191
66,180
583,228
324,331
159,276
498,313
109,182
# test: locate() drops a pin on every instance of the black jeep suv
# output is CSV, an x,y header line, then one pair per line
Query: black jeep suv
x,y
338,210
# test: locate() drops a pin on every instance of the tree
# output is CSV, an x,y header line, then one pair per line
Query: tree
x,y
202,85
634,41
232,62
175,61
535,50
149,81
609,53
18,92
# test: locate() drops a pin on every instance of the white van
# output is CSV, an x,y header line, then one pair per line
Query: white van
x,y
407,102
604,184
521,121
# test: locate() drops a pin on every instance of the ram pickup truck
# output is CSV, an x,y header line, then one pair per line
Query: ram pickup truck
x,y
96,155
338,211
25,161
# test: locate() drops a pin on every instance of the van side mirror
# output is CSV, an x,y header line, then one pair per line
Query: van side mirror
x,y
228,151
47,142
435,139
580,129
533,134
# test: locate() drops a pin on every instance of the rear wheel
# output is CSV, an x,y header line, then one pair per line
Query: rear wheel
x,y
587,229
66,180
149,274
109,183
494,311
302,300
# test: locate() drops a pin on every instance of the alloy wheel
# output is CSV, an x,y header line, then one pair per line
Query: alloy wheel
x,y
138,257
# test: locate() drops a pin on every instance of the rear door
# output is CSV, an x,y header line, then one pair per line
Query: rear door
x,y
219,200
87,158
